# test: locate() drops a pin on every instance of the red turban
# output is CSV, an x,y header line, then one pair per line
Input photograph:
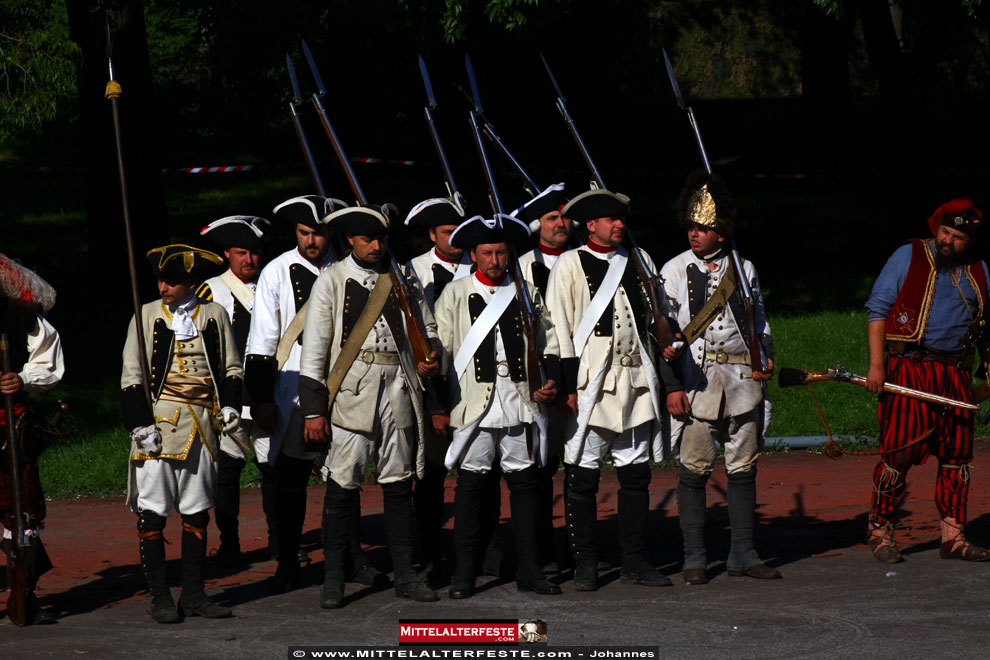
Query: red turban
x,y
959,214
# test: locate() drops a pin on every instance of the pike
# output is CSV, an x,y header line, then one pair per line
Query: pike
x,y
415,330
113,92
651,284
749,307
792,377
534,360
17,608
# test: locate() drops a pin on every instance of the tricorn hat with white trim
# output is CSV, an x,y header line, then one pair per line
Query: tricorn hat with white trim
x,y
478,230
180,262
551,199
594,204
236,231
434,213
309,210
363,220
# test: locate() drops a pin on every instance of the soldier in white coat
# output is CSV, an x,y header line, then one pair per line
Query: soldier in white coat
x,y
271,377
195,382
435,269
612,381
723,393
357,363
239,238
497,419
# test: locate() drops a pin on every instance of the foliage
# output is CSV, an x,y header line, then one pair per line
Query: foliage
x,y
509,14
37,65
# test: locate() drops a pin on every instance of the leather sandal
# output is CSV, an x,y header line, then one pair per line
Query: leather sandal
x,y
964,550
882,545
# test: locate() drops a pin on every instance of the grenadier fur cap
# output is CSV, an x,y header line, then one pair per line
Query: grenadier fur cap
x,y
434,213
310,210
706,201
363,220
959,214
594,204
236,231
23,284
551,199
180,262
478,230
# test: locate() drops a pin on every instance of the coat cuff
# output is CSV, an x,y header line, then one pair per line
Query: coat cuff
x,y
231,392
259,378
569,372
436,398
314,397
553,371
134,407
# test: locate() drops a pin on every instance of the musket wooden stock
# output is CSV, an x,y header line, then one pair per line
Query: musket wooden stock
x,y
17,601
792,377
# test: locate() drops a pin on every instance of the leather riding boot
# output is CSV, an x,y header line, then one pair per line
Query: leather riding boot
x,y
226,508
741,500
358,568
634,512
523,498
468,507
193,600
581,507
547,549
691,508
428,503
269,484
491,516
400,523
151,543
290,508
338,510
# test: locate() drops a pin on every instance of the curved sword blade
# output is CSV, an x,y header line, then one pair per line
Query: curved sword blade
x,y
312,67
292,78
673,81
431,100
474,83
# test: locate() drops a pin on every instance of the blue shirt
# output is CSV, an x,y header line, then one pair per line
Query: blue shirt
x,y
948,321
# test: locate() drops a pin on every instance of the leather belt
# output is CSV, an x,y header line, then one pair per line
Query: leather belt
x,y
721,357
375,357
502,368
963,359
628,359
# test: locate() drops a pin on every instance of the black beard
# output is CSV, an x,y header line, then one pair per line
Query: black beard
x,y
945,263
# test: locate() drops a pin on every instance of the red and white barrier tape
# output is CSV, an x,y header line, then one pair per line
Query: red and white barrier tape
x,y
214,169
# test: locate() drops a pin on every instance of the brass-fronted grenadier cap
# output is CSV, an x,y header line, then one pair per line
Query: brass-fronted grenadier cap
x,y
705,201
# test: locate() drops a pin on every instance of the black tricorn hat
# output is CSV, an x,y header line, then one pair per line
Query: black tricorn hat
x,y
236,231
309,210
180,262
551,199
594,204
434,213
477,230
363,220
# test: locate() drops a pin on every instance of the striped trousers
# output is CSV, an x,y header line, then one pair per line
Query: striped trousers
x,y
903,419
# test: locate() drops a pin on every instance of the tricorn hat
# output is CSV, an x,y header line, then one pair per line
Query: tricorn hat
x,y
309,210
594,204
179,262
363,220
959,214
706,201
236,231
551,199
434,213
478,230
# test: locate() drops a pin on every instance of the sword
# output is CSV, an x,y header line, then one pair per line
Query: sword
x,y
792,377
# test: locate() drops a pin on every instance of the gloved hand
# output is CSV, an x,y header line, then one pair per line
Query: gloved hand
x,y
148,439
231,420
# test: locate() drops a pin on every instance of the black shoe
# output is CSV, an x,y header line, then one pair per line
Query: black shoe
x,y
646,576
759,571
331,596
200,605
229,556
540,586
551,568
460,590
163,609
417,591
586,575
695,576
369,576
282,584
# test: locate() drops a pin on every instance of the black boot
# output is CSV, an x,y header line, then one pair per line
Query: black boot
x,y
634,512
691,508
193,601
741,498
468,523
547,552
269,484
152,548
227,508
400,523
358,567
491,516
338,509
524,498
428,503
290,507
36,562
581,506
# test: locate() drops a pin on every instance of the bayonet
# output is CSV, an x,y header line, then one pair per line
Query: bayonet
x,y
430,99
321,88
448,174
474,85
301,134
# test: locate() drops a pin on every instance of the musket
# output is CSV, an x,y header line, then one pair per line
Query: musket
x,y
418,341
304,143
651,283
534,359
17,603
113,93
792,377
749,306
431,104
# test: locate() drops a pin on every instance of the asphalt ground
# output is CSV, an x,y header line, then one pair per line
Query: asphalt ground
x,y
835,600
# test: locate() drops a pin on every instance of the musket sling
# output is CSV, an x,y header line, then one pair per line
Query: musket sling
x,y
352,346
718,299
